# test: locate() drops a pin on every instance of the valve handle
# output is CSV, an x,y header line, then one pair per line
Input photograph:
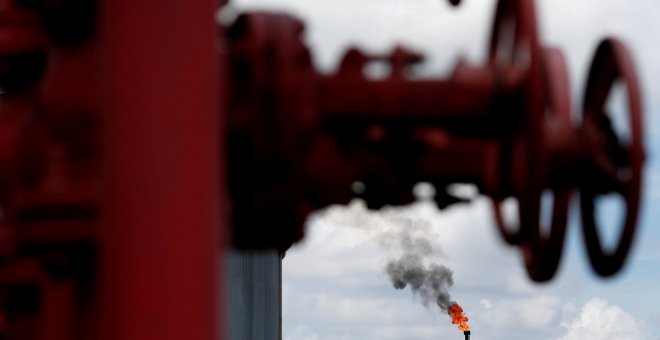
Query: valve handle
x,y
542,253
514,54
514,47
614,167
540,77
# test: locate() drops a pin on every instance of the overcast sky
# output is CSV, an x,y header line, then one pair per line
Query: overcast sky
x,y
335,285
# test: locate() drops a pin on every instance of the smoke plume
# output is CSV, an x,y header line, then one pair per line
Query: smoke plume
x,y
431,283
412,250
413,265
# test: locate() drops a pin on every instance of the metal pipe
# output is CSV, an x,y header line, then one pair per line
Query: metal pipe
x,y
467,335
161,273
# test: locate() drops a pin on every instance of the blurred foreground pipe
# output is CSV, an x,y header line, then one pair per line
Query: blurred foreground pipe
x,y
161,146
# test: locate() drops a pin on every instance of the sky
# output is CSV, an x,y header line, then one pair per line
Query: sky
x,y
335,286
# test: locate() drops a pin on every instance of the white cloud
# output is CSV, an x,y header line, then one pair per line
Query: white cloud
x,y
533,313
486,304
599,320
539,312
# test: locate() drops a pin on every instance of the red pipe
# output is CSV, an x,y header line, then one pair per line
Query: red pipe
x,y
160,238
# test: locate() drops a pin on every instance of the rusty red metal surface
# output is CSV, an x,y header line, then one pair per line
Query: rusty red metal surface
x,y
111,165
161,222
123,126
50,171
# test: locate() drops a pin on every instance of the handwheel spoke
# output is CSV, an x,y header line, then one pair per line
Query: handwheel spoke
x,y
543,252
511,235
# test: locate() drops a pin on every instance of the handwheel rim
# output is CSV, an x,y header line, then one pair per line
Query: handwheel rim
x,y
542,252
514,62
613,62
520,76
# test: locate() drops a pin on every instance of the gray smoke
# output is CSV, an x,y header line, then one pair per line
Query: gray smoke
x,y
414,267
431,283
412,248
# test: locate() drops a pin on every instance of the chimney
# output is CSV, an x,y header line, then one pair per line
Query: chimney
x,y
467,335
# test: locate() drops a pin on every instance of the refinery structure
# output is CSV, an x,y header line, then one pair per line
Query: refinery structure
x,y
122,191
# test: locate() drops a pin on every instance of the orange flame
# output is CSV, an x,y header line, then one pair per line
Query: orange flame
x,y
457,317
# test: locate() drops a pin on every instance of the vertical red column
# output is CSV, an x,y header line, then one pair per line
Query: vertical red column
x,y
162,159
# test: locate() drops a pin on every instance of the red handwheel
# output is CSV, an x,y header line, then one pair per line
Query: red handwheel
x,y
542,253
536,81
516,58
613,166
